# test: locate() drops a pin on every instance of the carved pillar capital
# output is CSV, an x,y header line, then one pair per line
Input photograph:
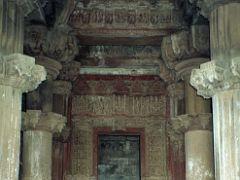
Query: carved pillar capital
x,y
38,120
20,71
70,71
52,66
187,122
185,45
212,77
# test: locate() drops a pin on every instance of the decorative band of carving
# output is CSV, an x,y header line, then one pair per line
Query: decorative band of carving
x,y
119,105
85,18
20,71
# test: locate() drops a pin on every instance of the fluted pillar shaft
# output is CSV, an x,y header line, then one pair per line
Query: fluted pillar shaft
x,y
18,74
37,143
219,79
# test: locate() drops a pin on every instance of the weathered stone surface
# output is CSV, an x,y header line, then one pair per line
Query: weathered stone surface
x,y
57,43
185,45
60,44
212,78
207,6
62,87
20,72
116,21
62,136
155,143
199,155
37,155
119,105
176,94
70,71
220,79
128,85
51,65
184,123
36,120
11,28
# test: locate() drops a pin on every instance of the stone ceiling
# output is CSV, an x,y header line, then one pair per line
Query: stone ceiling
x,y
118,37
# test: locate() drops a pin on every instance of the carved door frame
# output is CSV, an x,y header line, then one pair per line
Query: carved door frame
x,y
128,131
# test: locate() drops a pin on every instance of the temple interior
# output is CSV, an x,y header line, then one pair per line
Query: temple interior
x,y
119,90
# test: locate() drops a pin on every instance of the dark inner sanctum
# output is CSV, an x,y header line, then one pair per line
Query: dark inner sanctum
x,y
118,157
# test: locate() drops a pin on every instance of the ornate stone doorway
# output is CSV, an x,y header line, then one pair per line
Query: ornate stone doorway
x,y
118,157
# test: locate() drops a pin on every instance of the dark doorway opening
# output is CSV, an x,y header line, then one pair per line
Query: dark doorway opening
x,y
119,157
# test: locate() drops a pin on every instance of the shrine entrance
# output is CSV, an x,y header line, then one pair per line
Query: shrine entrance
x,y
119,157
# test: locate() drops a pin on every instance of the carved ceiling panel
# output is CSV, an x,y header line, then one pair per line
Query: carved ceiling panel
x,y
124,18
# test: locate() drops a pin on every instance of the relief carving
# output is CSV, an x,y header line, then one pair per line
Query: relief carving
x,y
90,18
119,105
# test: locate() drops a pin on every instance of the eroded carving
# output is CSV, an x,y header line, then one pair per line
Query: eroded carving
x,y
84,20
187,122
185,45
35,119
211,78
119,105
20,71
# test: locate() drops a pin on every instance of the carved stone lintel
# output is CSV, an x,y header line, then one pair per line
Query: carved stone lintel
x,y
52,66
62,87
20,71
212,78
187,122
119,21
70,71
176,90
37,120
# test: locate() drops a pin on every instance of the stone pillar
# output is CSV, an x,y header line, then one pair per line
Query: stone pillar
x,y
195,124
176,139
18,74
219,79
198,145
177,166
61,92
37,143
176,94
